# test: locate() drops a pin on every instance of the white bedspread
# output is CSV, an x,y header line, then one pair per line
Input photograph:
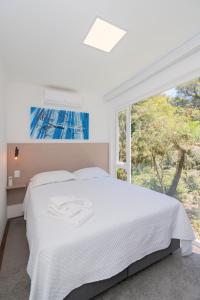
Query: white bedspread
x,y
129,222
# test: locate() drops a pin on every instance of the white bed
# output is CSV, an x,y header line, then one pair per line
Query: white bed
x,y
129,222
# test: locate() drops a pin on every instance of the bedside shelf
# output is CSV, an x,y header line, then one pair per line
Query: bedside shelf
x,y
16,187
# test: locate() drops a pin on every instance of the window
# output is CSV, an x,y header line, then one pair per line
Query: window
x,y
159,146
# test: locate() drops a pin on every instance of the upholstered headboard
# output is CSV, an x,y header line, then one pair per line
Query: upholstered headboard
x,y
40,157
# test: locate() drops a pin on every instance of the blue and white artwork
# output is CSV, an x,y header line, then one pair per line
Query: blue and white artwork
x,y
58,124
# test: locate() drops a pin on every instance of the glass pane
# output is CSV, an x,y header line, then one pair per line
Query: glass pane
x,y
165,148
122,135
121,174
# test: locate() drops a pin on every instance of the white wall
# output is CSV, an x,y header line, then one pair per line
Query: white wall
x,y
3,175
21,96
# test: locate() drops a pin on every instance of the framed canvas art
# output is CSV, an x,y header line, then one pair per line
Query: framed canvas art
x,y
58,124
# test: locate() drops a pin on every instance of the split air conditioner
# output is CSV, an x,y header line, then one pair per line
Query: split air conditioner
x,y
61,98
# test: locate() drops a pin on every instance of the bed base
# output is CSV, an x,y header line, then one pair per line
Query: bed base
x,y
90,290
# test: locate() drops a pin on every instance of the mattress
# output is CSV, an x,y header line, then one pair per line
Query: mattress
x,y
129,222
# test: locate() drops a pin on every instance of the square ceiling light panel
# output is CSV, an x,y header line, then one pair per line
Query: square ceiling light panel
x,y
103,35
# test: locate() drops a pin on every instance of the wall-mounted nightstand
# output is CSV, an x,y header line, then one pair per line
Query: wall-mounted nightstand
x,y
16,187
15,197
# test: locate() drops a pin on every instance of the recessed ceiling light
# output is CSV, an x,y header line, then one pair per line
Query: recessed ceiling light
x,y
103,35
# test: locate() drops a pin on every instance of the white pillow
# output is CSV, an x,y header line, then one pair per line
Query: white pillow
x,y
51,177
88,173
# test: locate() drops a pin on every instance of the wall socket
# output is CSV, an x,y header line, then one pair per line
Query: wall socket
x,y
17,173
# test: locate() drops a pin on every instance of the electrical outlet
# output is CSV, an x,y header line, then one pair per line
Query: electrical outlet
x,y
17,173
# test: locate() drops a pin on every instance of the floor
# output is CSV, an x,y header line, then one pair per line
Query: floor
x,y
174,278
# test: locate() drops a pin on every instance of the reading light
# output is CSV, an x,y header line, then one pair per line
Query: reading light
x,y
103,35
16,153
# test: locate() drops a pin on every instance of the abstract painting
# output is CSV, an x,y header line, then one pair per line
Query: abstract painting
x,y
58,124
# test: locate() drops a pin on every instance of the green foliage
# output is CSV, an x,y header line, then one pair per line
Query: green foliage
x,y
121,174
188,95
160,135
122,135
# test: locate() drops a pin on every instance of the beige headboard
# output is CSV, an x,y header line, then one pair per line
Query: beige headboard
x,y
40,157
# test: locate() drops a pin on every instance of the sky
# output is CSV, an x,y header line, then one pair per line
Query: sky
x,y
171,93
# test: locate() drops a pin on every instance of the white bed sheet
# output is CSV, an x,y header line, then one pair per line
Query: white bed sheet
x,y
129,222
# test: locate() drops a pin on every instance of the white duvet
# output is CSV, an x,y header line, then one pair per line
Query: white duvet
x,y
129,222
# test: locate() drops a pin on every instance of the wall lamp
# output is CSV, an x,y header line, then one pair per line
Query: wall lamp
x,y
16,153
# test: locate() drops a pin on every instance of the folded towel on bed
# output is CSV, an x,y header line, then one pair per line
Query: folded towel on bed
x,y
75,210
61,202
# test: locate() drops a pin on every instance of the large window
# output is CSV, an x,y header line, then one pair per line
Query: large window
x,y
158,146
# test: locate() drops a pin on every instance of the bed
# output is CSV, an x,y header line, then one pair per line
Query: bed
x,y
131,228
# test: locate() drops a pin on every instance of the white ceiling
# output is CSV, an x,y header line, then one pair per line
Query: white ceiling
x,y
41,40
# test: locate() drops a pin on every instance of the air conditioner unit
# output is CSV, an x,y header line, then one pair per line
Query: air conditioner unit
x,y
61,98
